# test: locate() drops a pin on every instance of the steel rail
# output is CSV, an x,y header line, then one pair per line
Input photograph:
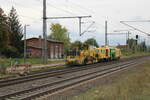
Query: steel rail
x,y
60,82
46,74
52,73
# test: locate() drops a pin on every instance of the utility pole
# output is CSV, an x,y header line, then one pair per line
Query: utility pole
x,y
106,38
80,26
25,43
44,47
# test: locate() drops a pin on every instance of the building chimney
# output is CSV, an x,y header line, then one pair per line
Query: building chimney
x,y
40,37
40,41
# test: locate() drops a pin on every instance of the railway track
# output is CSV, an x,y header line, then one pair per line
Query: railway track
x,y
45,74
51,87
50,73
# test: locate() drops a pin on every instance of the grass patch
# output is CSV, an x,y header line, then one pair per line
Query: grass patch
x,y
133,86
5,63
33,61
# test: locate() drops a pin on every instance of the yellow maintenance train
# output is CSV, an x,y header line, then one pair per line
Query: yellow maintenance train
x,y
92,55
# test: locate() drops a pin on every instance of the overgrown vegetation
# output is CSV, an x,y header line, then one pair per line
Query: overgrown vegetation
x,y
92,42
3,66
135,49
132,86
33,61
83,45
128,54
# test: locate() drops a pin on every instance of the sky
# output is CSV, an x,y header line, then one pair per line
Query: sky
x,y
114,11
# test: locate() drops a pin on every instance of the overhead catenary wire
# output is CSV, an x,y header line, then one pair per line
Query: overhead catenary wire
x,y
75,7
67,10
60,9
79,8
134,28
24,6
14,4
88,28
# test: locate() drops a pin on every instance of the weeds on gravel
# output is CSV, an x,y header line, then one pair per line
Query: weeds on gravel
x,y
3,66
133,86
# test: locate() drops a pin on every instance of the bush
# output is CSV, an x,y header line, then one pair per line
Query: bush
x,y
11,52
3,66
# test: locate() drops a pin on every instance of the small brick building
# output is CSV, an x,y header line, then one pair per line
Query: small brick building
x,y
55,49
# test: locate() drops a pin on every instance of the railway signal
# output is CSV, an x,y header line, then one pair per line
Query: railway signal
x,y
141,31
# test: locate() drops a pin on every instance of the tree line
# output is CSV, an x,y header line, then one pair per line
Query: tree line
x,y
60,33
11,44
134,46
11,35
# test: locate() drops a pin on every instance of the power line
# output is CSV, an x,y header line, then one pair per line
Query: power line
x,y
89,10
28,17
82,9
134,28
79,17
60,9
68,17
50,5
21,5
75,5
138,21
88,28
13,3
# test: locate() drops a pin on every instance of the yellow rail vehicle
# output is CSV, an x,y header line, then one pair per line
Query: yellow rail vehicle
x,y
81,57
106,53
103,53
88,56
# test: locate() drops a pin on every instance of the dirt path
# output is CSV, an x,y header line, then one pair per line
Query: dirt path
x,y
24,68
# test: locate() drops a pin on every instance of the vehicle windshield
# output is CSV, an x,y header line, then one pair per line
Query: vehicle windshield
x,y
73,53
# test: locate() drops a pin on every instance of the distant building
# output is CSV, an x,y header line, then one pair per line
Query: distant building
x,y
55,49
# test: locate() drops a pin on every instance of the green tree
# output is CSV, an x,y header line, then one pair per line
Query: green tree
x,y
76,45
4,31
60,33
16,33
92,42
132,43
142,46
